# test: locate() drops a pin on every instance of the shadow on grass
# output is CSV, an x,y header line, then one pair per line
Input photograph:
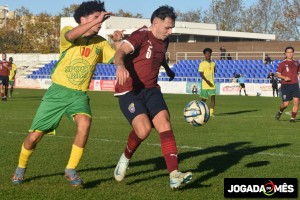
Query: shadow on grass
x,y
237,112
231,155
257,164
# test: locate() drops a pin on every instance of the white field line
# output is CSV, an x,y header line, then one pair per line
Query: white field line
x,y
156,144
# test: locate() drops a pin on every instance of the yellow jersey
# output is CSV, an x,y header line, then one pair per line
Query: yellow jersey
x,y
78,60
12,72
208,69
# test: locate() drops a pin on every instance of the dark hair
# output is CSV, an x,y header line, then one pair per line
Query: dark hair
x,y
288,48
162,12
87,8
207,49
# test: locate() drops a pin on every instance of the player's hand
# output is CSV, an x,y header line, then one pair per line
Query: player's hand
x,y
117,35
170,74
103,16
121,74
287,79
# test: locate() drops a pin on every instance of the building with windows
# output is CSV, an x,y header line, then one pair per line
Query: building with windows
x,y
5,14
183,32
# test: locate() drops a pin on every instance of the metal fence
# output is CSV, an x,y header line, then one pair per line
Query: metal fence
x,y
234,55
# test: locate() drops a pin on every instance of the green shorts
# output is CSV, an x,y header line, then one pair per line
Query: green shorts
x,y
12,83
57,101
205,93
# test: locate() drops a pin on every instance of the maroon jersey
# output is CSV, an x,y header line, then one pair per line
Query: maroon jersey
x,y
289,69
144,62
4,71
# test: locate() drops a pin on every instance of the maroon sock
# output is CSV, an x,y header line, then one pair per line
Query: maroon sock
x,y
281,109
2,94
294,115
169,150
132,144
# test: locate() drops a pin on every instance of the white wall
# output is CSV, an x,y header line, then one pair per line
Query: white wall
x,y
173,87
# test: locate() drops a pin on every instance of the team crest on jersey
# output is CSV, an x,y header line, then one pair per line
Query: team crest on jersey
x,y
78,71
131,108
98,51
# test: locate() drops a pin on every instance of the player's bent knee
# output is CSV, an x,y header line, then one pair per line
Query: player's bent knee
x,y
33,138
143,132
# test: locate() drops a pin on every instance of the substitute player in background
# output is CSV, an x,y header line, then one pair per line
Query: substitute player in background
x,y
138,62
5,68
12,76
207,72
288,71
81,48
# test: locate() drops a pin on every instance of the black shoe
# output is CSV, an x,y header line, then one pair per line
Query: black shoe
x,y
4,99
292,120
277,116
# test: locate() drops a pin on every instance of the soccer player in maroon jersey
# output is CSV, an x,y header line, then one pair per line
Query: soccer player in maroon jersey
x,y
138,62
288,71
5,68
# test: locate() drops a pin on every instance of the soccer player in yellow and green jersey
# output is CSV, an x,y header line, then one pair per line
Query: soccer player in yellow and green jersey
x,y
81,48
207,72
12,75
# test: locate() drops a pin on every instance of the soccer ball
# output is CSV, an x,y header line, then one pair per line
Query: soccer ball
x,y
196,113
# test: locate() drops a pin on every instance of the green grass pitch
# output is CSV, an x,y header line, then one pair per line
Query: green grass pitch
x,y
243,140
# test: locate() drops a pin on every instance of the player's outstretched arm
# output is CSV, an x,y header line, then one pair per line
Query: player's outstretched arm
x,y
81,29
122,73
117,37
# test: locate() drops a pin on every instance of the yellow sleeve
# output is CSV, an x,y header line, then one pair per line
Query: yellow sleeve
x,y
64,43
14,67
200,69
108,53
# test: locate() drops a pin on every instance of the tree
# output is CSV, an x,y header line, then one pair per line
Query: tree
x,y
11,36
190,16
44,33
122,13
250,22
292,21
277,17
68,11
226,14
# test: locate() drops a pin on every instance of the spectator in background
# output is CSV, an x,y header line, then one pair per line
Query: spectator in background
x,y
207,72
12,76
288,71
194,89
223,53
229,57
241,81
167,58
268,60
274,83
